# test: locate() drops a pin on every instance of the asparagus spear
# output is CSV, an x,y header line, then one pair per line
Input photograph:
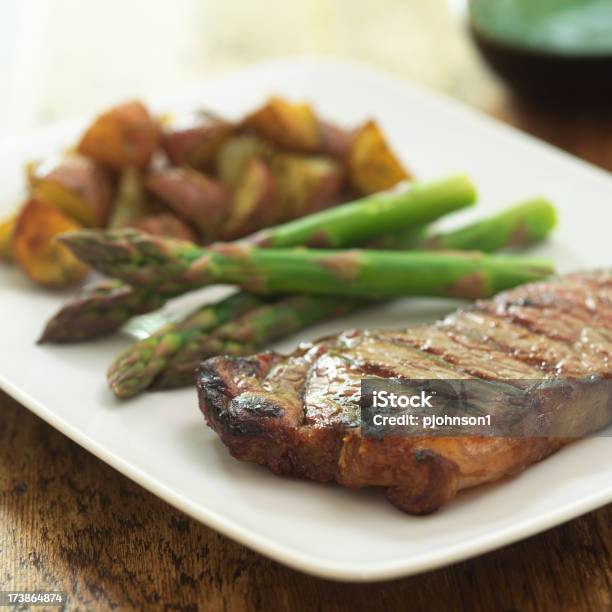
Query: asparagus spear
x,y
103,307
99,309
177,266
419,204
251,331
168,358
519,225
138,366
355,222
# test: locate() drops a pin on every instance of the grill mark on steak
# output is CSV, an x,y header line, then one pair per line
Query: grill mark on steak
x,y
546,353
299,414
572,303
290,373
550,321
334,384
401,359
468,356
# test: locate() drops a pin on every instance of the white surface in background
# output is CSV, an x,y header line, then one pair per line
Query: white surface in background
x,y
61,58
160,441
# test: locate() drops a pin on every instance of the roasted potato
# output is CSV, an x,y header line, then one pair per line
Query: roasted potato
x,y
254,204
335,141
305,184
165,224
195,197
7,229
131,202
195,139
124,136
36,250
372,166
74,184
235,154
289,125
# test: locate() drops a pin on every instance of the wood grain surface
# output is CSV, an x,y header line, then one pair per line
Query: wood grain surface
x,y
69,522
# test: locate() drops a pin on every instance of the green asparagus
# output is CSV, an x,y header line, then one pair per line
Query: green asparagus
x,y
520,225
103,307
99,309
168,358
139,365
420,203
252,332
174,266
355,222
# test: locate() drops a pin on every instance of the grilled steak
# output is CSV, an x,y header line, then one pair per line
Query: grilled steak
x,y
299,414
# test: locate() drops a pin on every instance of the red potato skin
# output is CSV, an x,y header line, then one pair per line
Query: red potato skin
x,y
196,140
335,141
125,136
166,225
327,195
194,196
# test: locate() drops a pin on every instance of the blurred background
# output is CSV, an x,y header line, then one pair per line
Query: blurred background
x,y
68,57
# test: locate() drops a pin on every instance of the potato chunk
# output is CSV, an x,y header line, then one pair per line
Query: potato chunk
x,y
254,203
290,125
194,139
7,229
305,184
335,141
131,202
165,224
372,164
76,185
194,196
124,136
236,153
36,250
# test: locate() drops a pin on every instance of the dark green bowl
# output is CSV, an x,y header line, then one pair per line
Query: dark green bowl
x,y
557,51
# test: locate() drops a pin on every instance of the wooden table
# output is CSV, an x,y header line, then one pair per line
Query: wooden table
x,y
69,522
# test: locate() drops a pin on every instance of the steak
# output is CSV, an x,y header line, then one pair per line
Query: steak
x,y
299,414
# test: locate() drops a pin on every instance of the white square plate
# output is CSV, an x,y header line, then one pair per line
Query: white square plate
x,y
160,441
